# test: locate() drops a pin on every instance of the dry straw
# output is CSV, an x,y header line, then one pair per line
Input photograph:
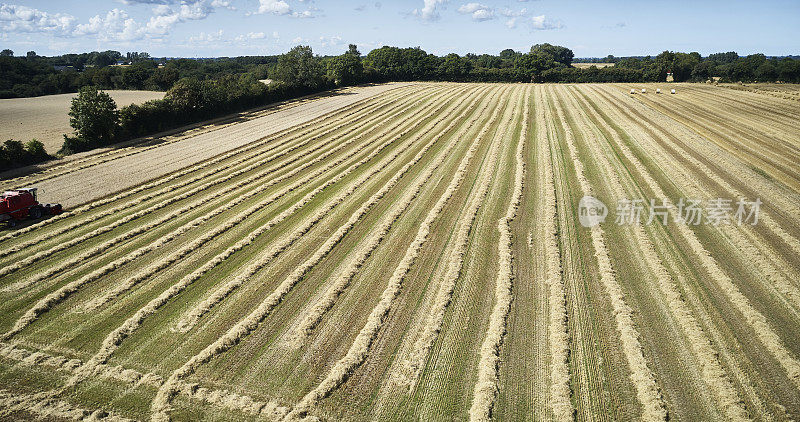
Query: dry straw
x,y
160,405
326,302
643,380
757,321
411,368
172,215
711,369
359,349
486,387
59,295
113,340
342,121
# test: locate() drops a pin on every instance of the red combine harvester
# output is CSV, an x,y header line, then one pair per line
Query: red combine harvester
x,y
19,204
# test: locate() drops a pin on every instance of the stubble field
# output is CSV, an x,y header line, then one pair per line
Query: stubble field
x,y
45,118
417,255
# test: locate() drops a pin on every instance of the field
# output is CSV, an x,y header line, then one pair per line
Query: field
x,y
45,118
417,254
588,65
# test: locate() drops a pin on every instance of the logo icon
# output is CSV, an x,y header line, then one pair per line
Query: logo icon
x,y
591,211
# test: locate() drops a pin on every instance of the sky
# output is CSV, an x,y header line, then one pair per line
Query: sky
x,y
212,28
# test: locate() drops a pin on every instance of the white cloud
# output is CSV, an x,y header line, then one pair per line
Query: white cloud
x,y
281,8
541,22
15,18
276,7
511,23
471,7
513,13
117,25
482,15
428,11
114,25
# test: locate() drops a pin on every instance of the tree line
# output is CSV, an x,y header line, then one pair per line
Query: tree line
x,y
33,75
201,89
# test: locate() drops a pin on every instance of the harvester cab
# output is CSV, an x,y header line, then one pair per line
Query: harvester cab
x,y
19,204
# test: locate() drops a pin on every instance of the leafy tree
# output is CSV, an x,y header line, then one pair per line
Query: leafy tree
x,y
6,53
164,78
489,61
509,54
94,116
186,94
766,72
555,53
299,67
454,67
682,66
703,71
36,152
345,69
723,58
352,49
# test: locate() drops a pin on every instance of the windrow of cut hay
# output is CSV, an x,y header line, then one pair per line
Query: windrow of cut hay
x,y
59,295
713,374
120,288
327,301
298,157
355,110
221,399
113,340
647,392
728,353
160,405
49,408
409,371
486,387
751,245
194,314
261,159
738,169
724,171
757,321
230,128
557,330
360,347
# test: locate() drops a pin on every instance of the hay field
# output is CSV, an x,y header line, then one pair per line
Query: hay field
x,y
45,118
418,255
83,178
588,65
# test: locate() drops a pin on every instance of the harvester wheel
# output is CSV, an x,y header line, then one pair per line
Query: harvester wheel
x,y
35,213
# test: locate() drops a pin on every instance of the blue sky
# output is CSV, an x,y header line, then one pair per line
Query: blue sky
x,y
206,28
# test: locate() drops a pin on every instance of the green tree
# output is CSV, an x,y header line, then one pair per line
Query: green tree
x,y
555,53
682,66
509,54
186,95
6,53
94,116
766,72
345,69
299,67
